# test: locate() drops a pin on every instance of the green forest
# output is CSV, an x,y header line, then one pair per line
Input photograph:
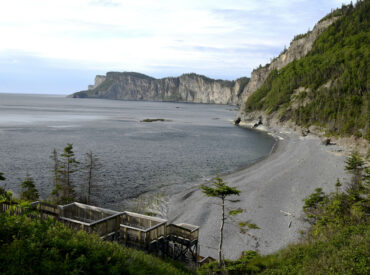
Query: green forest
x,y
335,75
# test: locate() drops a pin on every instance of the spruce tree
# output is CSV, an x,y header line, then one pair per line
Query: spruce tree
x,y
92,165
220,190
2,189
55,159
2,177
64,191
5,196
29,191
355,165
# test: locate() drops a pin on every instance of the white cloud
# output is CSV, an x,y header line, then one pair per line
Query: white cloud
x,y
142,34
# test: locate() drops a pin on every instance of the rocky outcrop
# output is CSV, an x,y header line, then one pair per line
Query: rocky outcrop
x,y
298,48
99,79
186,88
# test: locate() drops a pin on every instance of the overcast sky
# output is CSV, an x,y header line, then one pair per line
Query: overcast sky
x,y
58,47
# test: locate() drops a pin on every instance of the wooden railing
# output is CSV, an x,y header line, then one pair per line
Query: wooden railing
x,y
12,208
46,209
133,228
102,227
141,229
90,218
185,231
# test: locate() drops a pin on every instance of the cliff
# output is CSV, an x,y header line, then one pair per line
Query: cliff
x,y
299,47
186,88
320,84
99,79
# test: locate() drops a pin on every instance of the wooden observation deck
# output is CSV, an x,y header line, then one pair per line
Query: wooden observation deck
x,y
140,230
152,234
104,222
46,210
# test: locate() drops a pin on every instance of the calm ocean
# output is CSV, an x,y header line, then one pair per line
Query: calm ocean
x,y
195,143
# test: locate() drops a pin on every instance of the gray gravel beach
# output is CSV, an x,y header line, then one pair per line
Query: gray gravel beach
x,y
271,196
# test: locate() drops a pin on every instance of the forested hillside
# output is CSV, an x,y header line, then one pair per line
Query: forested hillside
x,y
36,246
329,87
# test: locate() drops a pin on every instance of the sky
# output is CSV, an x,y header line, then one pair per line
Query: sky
x,y
57,47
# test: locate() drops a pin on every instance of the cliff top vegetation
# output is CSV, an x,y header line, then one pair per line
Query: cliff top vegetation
x,y
329,87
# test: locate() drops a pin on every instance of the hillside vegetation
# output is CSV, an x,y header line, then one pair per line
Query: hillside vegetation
x,y
33,246
30,244
329,87
337,241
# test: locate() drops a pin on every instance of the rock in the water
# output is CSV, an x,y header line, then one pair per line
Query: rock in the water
x,y
152,119
326,141
258,123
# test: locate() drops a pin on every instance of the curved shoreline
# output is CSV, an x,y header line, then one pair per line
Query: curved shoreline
x,y
243,167
272,190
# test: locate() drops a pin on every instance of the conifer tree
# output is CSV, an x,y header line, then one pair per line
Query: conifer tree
x,y
1,176
2,189
92,165
4,195
355,165
55,159
220,190
67,165
29,191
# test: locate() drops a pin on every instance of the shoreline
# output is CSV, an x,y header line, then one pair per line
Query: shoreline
x,y
247,166
272,190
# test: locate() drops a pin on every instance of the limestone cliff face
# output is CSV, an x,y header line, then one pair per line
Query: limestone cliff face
x,y
298,48
186,88
99,79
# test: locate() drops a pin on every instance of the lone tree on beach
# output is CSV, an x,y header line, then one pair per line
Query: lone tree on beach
x,y
29,191
220,190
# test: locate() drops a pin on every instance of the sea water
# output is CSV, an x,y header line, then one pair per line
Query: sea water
x,y
195,143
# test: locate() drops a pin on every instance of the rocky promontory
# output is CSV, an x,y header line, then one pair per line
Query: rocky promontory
x,y
185,88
